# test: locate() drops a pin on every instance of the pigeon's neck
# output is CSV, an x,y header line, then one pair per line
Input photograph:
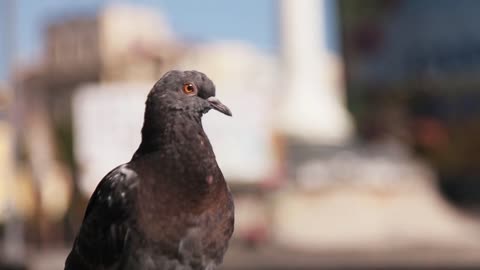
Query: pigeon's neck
x,y
176,132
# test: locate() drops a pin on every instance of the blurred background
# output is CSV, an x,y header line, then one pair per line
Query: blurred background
x,y
355,141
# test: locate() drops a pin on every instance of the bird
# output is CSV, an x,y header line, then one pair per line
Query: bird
x,y
169,207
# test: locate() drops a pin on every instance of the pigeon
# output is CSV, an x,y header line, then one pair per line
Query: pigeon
x,y
169,207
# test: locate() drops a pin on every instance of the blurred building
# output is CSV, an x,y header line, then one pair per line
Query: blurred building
x,y
5,148
412,74
119,43
312,105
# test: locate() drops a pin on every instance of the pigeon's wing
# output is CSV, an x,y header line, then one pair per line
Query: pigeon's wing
x,y
104,232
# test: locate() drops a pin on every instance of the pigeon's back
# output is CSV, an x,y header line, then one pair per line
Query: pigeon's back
x,y
101,241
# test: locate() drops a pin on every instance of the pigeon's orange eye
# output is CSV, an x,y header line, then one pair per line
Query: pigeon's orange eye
x,y
189,88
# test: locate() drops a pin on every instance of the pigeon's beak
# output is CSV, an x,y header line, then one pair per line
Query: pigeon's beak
x,y
217,105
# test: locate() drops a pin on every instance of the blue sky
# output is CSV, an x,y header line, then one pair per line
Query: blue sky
x,y
253,21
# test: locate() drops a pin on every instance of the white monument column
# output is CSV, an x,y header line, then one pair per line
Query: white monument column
x,y
312,106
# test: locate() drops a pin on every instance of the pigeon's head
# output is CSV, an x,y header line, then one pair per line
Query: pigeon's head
x,y
188,91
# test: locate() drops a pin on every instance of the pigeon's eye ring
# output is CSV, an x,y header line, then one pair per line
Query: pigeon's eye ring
x,y
189,88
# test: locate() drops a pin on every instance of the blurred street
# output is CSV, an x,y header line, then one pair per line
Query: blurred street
x,y
267,258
